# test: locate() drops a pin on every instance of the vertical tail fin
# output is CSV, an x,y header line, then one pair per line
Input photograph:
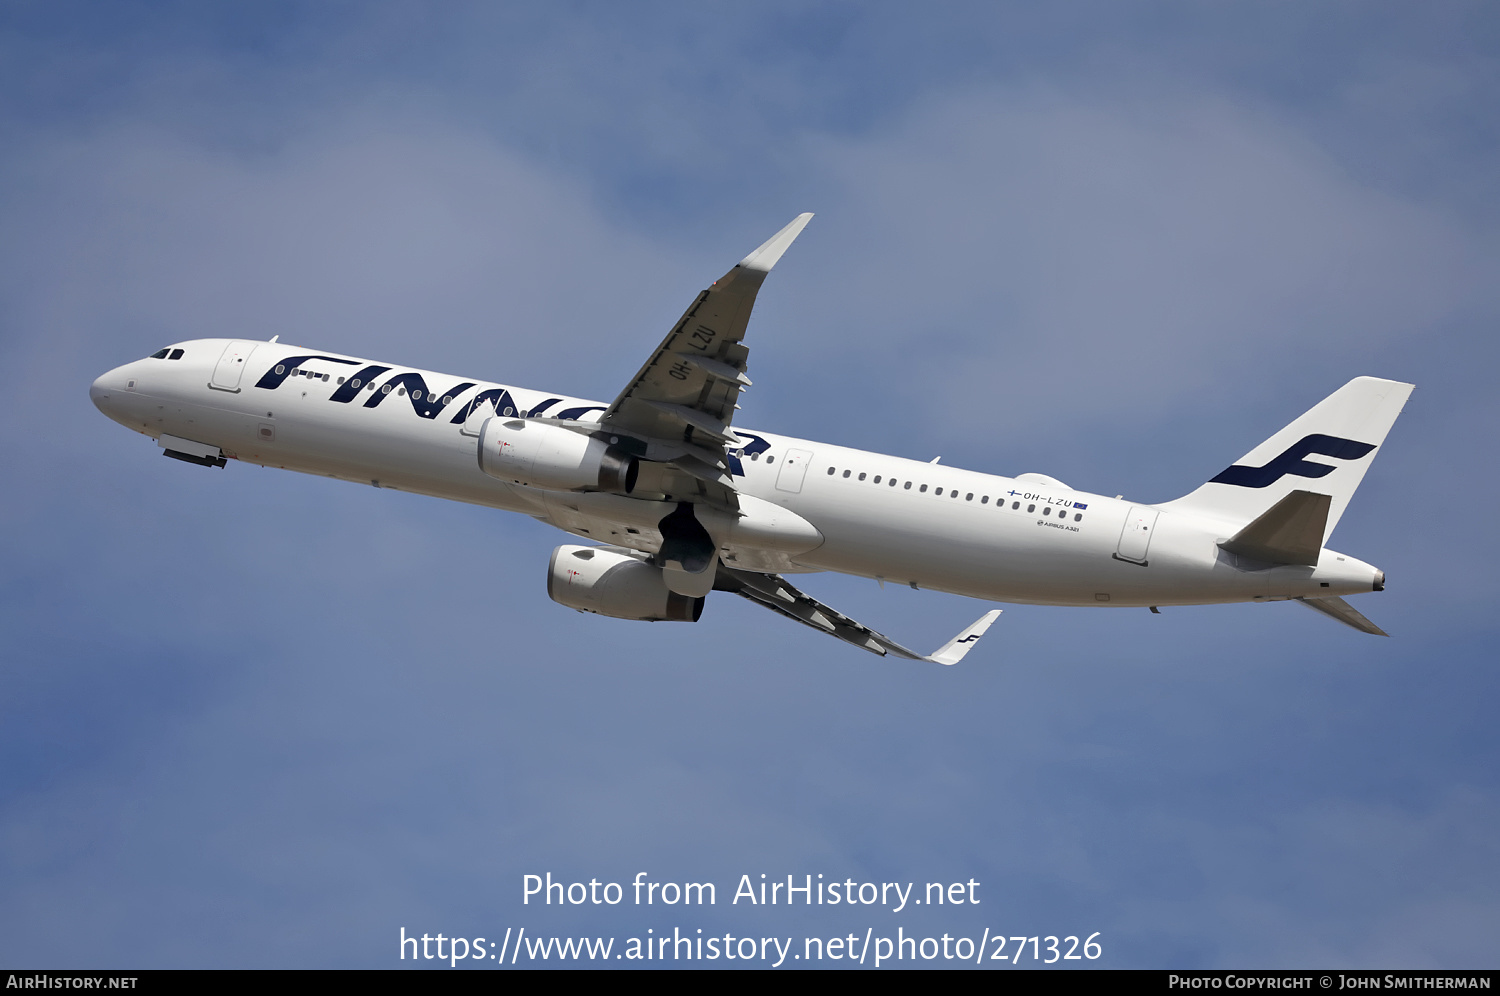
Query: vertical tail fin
x,y
1325,452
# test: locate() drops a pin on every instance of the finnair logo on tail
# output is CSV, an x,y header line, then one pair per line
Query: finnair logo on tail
x,y
1291,461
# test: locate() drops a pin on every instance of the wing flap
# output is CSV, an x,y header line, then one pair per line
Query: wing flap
x,y
714,428
702,471
775,593
717,368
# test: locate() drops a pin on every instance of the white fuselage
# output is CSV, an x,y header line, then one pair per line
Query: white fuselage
x,y
809,506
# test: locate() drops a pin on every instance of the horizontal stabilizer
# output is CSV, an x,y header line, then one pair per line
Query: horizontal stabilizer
x,y
1289,532
1345,613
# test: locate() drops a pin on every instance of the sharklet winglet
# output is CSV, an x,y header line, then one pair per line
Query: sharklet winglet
x,y
954,650
766,256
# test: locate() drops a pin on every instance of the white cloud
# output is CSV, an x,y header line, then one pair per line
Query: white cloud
x,y
395,238
1084,253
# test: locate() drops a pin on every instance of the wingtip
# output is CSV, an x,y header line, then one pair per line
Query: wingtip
x,y
954,650
771,250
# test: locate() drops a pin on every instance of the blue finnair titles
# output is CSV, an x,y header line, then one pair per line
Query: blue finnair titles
x,y
430,404
274,377
754,445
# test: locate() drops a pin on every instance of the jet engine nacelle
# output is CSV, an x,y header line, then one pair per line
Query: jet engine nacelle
x,y
612,582
553,458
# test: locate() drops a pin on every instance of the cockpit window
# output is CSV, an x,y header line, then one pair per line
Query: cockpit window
x,y
176,355
160,354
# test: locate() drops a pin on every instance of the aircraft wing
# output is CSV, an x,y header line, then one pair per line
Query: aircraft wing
x,y
679,407
775,593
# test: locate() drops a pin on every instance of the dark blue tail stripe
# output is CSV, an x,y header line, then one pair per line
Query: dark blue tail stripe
x,y
1291,461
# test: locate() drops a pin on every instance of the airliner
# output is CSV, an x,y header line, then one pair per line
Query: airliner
x,y
673,502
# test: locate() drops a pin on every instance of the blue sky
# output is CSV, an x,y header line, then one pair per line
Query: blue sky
x,y
258,719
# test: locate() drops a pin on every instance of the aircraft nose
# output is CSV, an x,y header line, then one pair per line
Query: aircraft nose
x,y
99,393
105,390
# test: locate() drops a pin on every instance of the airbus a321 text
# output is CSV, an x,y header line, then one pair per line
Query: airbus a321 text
x,y
675,502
